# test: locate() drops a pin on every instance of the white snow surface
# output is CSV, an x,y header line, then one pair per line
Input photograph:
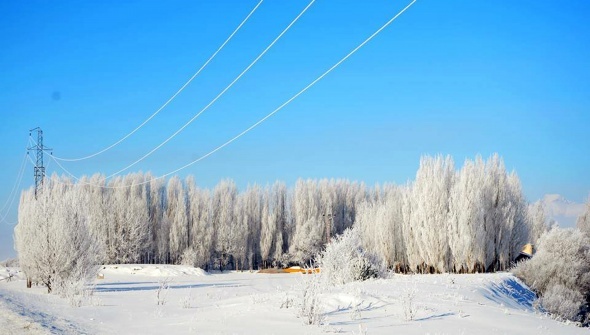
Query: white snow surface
x,y
159,270
125,302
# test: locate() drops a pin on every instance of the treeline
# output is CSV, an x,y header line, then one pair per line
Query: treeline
x,y
475,219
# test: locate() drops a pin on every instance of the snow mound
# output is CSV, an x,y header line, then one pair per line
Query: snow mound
x,y
152,270
510,292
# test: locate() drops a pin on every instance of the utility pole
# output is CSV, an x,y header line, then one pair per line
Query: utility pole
x,y
39,168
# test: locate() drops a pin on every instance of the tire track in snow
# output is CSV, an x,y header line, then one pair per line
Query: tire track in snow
x,y
28,314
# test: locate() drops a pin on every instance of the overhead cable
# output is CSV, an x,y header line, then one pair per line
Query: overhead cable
x,y
274,111
218,96
169,100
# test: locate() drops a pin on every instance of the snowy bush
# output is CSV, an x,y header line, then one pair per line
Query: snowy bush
x,y
189,257
563,301
560,272
187,300
344,260
310,309
162,291
408,303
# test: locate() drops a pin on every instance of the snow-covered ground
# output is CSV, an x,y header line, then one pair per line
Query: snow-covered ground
x,y
126,302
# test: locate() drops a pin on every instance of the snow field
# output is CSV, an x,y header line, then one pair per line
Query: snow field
x,y
160,270
125,302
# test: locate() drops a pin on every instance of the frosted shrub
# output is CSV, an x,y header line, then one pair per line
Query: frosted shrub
x,y
310,307
560,272
162,291
344,260
189,257
187,301
562,301
408,303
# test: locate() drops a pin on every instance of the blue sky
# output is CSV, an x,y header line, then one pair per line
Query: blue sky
x,y
449,77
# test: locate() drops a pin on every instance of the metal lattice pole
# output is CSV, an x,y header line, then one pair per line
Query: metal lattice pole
x,y
39,169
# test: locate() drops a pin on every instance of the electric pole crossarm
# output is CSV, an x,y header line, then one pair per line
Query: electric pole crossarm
x,y
39,169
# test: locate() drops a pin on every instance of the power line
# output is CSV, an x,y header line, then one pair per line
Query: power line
x,y
13,193
274,111
293,97
16,182
64,169
169,100
218,96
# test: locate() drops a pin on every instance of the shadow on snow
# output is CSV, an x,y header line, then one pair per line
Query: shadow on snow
x,y
99,287
510,292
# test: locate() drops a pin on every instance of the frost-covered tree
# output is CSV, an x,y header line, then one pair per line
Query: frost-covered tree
x,y
158,221
495,197
430,211
95,201
268,228
53,240
224,201
466,222
176,213
128,231
470,220
518,232
538,221
245,233
309,225
380,225
201,230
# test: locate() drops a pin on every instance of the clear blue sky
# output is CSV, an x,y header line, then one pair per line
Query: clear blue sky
x,y
449,77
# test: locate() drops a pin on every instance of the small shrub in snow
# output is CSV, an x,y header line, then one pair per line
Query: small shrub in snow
x,y
344,260
408,303
362,330
73,291
287,301
310,308
355,311
162,292
189,257
560,273
187,300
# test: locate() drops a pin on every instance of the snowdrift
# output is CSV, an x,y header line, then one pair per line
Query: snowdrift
x,y
151,270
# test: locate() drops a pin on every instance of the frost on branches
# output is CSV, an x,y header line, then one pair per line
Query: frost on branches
x,y
560,273
471,220
344,260
447,220
53,240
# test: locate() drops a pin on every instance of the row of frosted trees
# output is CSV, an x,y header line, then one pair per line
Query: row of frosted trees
x,y
474,219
